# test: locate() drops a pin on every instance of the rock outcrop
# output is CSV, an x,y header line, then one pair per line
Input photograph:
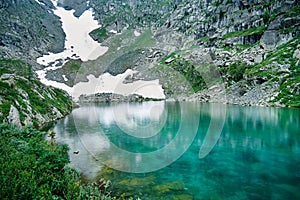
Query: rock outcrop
x,y
14,117
112,97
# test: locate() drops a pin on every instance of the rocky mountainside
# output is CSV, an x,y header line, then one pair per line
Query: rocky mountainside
x,y
29,29
234,51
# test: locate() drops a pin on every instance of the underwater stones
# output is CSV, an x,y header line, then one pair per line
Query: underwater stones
x,y
169,187
106,173
145,181
182,196
292,190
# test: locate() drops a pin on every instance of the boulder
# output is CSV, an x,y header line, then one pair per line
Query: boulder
x,y
297,54
169,187
14,116
258,58
270,39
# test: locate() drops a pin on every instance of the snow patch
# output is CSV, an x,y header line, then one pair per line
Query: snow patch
x,y
113,31
136,33
65,78
108,83
41,3
79,45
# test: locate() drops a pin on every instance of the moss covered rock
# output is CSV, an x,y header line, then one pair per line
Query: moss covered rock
x,y
169,187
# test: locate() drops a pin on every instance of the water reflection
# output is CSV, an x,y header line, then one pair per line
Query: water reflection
x,y
138,120
256,155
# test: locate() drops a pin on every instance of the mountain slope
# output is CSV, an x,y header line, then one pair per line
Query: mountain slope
x,y
26,101
234,51
29,29
252,45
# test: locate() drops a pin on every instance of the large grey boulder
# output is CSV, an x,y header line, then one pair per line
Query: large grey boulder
x,y
14,116
270,39
297,54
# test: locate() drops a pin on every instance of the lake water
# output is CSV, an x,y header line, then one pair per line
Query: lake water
x,y
185,150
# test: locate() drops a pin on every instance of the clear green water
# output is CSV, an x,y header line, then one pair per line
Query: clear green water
x,y
168,150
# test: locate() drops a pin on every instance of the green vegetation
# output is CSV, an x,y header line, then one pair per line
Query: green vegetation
x,y
33,168
99,34
242,47
109,20
187,69
173,82
71,69
182,76
290,91
72,65
17,67
294,11
287,77
204,39
235,71
266,17
279,67
119,45
19,87
251,31
126,42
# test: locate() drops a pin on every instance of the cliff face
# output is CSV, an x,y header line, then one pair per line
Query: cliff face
x,y
272,22
29,29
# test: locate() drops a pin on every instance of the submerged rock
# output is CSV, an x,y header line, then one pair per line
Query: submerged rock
x,y
182,197
169,187
146,181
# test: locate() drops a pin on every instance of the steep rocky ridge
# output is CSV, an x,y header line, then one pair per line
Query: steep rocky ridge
x,y
78,5
29,29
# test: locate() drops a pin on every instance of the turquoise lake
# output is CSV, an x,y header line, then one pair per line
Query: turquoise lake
x,y
187,150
